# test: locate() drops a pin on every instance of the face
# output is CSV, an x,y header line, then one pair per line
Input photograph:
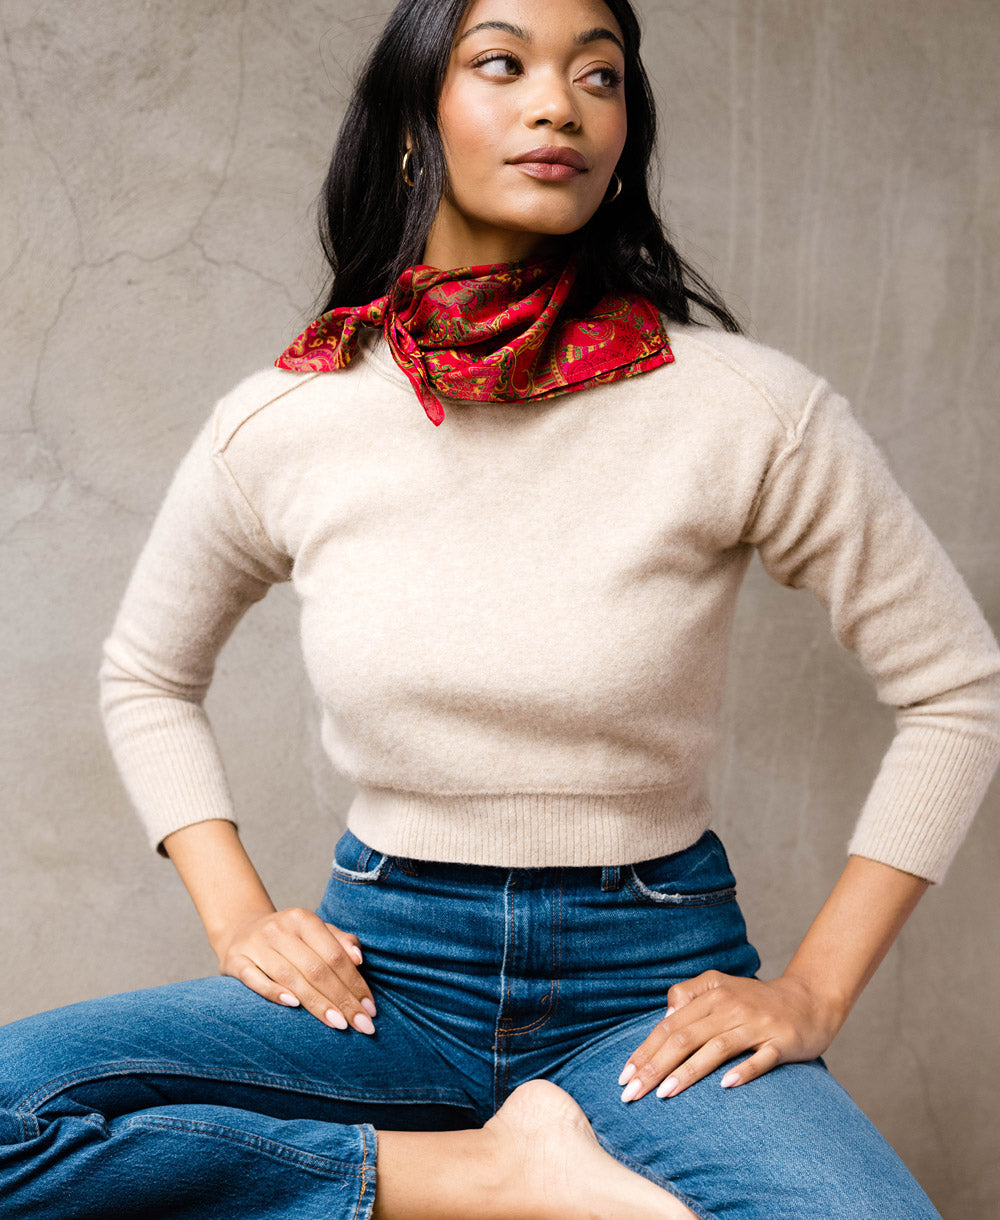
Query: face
x,y
528,81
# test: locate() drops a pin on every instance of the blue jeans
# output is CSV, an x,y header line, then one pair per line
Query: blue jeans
x,y
201,1099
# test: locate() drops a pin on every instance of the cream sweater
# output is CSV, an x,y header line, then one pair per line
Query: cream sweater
x,y
517,623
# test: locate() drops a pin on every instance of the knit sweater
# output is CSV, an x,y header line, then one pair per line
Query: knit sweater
x,y
517,623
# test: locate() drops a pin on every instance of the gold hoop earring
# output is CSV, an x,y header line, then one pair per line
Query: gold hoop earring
x,y
618,189
406,168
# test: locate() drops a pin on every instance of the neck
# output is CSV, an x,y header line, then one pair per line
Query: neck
x,y
453,243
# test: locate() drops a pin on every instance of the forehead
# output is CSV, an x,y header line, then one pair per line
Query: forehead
x,y
546,16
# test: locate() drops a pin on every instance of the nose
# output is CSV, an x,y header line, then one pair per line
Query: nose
x,y
552,103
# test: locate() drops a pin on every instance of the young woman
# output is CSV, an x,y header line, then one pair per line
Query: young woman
x,y
516,485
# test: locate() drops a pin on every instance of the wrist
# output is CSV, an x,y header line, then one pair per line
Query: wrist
x,y
831,1003
223,929
220,877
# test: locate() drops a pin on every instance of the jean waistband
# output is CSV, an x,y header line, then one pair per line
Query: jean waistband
x,y
706,857
610,874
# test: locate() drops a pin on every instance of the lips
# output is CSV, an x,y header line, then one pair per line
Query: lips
x,y
550,154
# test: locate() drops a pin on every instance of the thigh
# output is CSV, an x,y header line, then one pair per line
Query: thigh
x,y
790,1145
214,1041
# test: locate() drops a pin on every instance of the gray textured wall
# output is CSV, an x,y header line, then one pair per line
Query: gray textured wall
x,y
833,164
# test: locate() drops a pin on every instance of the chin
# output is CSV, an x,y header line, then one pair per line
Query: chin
x,y
550,222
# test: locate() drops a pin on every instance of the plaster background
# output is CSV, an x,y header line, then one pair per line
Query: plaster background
x,y
834,166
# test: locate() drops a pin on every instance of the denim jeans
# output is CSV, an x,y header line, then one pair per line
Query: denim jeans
x,y
202,1100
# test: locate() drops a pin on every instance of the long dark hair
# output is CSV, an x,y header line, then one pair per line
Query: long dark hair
x,y
373,226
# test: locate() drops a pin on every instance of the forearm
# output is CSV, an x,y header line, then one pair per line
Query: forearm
x,y
853,931
219,876
714,1016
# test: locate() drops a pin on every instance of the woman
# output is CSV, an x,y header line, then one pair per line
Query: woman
x,y
516,622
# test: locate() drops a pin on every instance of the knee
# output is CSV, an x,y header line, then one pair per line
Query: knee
x,y
27,1048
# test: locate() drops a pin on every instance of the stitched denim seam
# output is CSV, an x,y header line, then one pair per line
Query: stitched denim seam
x,y
706,898
328,1166
352,876
499,1034
363,1169
664,1183
553,991
285,1084
31,1128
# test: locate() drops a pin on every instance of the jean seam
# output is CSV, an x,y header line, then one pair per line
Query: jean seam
x,y
30,1126
553,991
352,876
364,1168
664,1183
284,1084
707,898
325,1165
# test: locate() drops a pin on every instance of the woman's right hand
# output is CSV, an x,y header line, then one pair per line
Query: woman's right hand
x,y
292,957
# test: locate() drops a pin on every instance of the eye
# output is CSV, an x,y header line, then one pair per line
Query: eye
x,y
498,64
607,79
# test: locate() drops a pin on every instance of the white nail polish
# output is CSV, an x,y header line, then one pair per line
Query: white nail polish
x,y
730,1079
631,1089
288,1000
336,1018
666,1086
628,1071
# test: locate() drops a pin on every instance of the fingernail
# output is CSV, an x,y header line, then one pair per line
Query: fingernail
x,y
336,1018
666,1088
730,1079
355,952
669,1011
628,1071
290,1000
363,1023
369,1007
631,1090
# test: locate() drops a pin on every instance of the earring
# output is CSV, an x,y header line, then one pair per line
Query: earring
x,y
406,168
618,189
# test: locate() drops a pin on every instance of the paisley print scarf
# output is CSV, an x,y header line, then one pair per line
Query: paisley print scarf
x,y
491,333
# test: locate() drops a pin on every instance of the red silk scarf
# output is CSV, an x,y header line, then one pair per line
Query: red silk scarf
x,y
491,333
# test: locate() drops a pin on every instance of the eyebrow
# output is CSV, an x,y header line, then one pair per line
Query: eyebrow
x,y
596,34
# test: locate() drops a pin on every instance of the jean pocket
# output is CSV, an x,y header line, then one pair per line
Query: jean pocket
x,y
698,875
357,863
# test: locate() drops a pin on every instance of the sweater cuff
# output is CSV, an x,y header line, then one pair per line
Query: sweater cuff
x,y
169,760
931,783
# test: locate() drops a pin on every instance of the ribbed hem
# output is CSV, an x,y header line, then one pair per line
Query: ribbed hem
x,y
928,789
528,829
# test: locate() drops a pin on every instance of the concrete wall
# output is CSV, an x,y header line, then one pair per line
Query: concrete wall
x,y
834,165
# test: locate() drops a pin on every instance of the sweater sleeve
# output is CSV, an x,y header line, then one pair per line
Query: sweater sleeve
x,y
830,517
205,562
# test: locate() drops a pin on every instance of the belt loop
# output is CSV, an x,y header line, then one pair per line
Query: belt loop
x,y
611,877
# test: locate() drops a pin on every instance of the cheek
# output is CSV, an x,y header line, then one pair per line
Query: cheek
x,y
614,133
469,130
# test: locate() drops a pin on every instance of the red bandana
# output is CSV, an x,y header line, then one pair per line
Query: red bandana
x,y
491,333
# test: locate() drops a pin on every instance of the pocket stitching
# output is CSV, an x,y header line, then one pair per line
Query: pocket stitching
x,y
699,898
357,877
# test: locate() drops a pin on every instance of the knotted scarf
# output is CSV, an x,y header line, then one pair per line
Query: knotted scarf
x,y
491,333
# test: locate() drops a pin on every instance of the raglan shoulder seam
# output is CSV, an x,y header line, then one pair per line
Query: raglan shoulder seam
x,y
792,426
225,430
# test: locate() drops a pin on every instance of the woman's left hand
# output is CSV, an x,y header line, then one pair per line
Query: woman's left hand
x,y
714,1017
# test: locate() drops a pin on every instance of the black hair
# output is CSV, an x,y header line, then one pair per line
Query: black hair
x,y
373,225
